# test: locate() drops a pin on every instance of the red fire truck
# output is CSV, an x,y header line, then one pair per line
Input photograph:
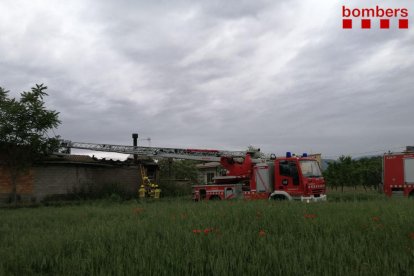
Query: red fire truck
x,y
282,178
398,174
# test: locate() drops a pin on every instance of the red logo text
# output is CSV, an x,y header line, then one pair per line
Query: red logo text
x,y
367,18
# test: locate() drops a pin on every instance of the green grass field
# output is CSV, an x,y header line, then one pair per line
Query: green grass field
x,y
180,237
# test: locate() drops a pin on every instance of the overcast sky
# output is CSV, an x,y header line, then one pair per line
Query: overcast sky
x,y
280,75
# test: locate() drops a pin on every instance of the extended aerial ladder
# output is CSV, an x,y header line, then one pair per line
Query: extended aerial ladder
x,y
154,152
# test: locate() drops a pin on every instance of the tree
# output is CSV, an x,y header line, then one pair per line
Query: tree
x,y
172,174
180,169
369,171
24,125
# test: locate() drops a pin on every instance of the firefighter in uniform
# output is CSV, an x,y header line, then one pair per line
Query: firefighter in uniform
x,y
141,191
152,191
147,186
157,191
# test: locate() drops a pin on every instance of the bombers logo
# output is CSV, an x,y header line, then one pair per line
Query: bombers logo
x,y
377,16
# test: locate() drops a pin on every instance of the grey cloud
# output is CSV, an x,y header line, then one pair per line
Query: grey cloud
x,y
215,74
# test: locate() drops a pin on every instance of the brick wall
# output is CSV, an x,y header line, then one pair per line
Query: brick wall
x,y
61,179
24,185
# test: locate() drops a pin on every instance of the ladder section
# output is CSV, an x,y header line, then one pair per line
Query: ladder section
x,y
178,153
144,178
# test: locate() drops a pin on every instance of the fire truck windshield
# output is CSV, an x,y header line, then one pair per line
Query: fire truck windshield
x,y
310,168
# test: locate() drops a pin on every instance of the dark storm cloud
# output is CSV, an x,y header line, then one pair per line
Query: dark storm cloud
x,y
280,75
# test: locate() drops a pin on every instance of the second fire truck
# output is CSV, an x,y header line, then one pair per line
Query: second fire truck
x,y
398,174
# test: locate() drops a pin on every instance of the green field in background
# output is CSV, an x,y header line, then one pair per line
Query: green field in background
x,y
180,237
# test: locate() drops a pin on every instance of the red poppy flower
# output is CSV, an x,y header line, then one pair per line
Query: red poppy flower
x,y
310,216
138,210
262,233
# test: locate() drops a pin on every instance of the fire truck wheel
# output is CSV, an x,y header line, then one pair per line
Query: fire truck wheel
x,y
411,195
279,197
215,197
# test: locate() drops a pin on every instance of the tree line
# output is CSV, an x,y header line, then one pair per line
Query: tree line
x,y
347,172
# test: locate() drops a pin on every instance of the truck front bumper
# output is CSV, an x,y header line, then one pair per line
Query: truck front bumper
x,y
313,198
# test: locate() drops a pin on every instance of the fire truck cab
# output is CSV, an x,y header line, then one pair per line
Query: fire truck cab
x,y
398,174
300,178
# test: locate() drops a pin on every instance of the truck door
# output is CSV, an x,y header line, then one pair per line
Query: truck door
x,y
262,178
289,179
229,193
409,171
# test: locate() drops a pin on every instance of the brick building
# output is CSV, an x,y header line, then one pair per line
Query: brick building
x,y
74,174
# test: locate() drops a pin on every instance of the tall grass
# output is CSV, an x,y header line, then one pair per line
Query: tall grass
x,y
179,237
